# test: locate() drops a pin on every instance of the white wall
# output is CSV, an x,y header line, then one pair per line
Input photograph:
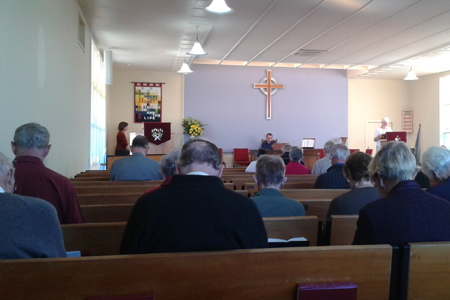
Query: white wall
x,y
45,78
425,101
120,103
373,99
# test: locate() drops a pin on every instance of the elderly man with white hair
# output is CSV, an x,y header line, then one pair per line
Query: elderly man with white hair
x,y
321,166
436,164
405,213
30,226
334,177
381,131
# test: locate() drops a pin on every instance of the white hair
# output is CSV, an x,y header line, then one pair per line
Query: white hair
x,y
340,152
328,145
436,163
393,162
5,167
385,119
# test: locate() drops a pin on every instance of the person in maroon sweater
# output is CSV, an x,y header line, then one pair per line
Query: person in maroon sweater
x,y
30,146
294,166
121,139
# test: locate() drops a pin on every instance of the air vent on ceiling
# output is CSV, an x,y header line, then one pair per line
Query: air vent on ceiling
x,y
309,52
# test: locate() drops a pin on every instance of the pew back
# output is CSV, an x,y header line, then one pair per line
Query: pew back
x,y
343,229
241,274
429,270
105,238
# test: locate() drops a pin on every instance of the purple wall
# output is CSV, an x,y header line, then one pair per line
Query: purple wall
x,y
313,103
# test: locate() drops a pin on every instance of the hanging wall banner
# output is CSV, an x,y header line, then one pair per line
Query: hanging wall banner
x,y
147,102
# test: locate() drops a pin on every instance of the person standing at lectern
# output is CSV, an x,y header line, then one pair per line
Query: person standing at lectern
x,y
380,131
267,144
122,143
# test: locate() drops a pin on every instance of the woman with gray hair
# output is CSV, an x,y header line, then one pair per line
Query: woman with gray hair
x,y
167,167
405,213
294,166
436,164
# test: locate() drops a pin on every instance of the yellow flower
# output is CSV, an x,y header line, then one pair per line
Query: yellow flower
x,y
195,130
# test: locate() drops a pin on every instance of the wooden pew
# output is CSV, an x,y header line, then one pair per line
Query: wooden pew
x,y
124,188
125,198
429,270
106,213
105,238
313,193
316,207
343,229
78,179
241,274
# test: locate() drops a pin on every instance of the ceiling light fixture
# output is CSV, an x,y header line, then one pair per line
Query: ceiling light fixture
x,y
411,75
185,69
197,48
218,7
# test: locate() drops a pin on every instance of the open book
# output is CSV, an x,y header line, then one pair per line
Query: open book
x,y
294,242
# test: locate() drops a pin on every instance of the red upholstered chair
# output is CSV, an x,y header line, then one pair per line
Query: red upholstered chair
x,y
221,155
353,150
369,151
241,157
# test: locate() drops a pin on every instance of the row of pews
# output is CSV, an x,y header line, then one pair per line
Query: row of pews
x,y
417,271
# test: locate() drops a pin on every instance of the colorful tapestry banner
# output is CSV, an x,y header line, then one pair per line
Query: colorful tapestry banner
x,y
147,102
157,133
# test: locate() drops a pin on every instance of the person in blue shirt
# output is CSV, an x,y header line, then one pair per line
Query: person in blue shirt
x,y
267,144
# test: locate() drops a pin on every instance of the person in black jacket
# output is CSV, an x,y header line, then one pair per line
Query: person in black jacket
x,y
334,177
194,212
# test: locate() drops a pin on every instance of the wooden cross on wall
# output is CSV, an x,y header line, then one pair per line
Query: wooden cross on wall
x,y
268,87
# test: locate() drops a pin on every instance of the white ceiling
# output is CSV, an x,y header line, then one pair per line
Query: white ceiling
x,y
359,35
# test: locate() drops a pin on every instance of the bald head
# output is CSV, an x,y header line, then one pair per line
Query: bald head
x,y
199,155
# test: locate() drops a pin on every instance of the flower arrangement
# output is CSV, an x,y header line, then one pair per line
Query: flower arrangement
x,y
195,130
192,127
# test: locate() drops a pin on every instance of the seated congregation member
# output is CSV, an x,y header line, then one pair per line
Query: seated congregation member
x,y
356,170
167,167
270,178
194,212
30,226
295,167
436,164
422,179
286,149
334,177
137,166
321,166
405,213
268,143
252,166
30,146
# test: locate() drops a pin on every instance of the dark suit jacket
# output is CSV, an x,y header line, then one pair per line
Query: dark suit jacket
x,y
332,179
441,190
408,214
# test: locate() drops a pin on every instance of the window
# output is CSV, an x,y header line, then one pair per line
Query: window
x,y
98,111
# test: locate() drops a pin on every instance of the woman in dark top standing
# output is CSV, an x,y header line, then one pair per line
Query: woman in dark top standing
x,y
122,143
356,171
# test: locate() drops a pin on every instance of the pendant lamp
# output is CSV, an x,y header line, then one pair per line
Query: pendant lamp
x,y
185,69
218,7
197,48
411,75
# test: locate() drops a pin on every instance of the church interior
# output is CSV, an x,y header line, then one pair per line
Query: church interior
x,y
336,67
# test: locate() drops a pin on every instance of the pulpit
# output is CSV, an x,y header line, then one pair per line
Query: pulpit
x,y
159,136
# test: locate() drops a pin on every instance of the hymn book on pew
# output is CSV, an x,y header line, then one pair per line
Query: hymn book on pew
x,y
294,242
327,291
124,297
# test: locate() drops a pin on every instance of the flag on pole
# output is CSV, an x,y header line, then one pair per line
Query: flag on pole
x,y
416,148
